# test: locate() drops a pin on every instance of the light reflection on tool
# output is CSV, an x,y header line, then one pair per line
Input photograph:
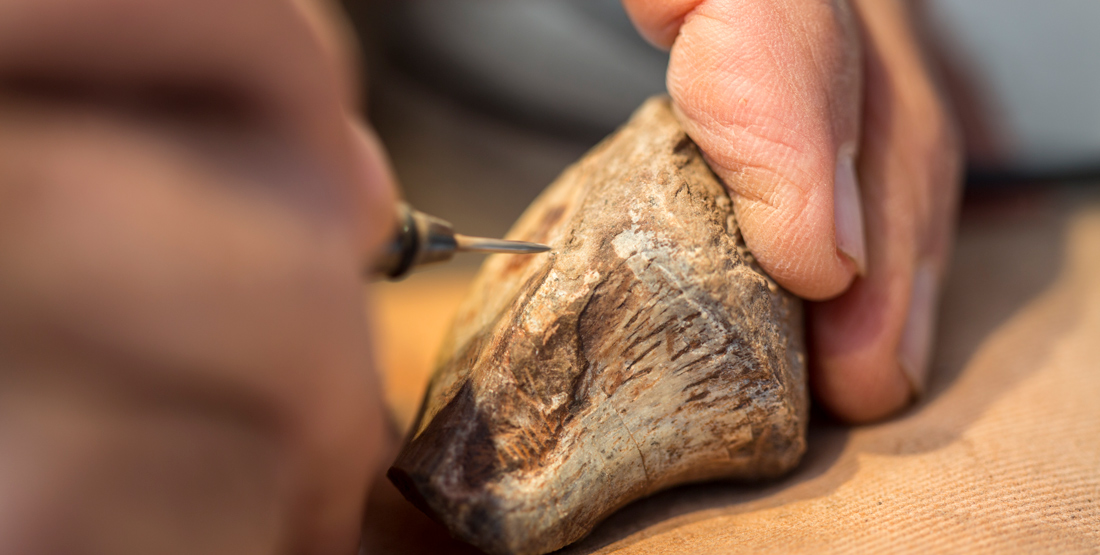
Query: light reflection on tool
x,y
422,239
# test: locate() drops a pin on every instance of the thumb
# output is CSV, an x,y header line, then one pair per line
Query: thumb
x,y
770,91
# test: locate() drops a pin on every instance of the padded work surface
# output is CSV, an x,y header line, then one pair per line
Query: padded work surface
x,y
1001,455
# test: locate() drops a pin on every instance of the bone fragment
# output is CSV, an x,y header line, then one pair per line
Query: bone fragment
x,y
647,350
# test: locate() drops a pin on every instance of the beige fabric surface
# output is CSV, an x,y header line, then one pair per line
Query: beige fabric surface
x,y
1001,455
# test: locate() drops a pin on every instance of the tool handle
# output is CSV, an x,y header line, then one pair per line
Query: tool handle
x,y
419,239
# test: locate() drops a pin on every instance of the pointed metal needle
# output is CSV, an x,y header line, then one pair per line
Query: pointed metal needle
x,y
483,244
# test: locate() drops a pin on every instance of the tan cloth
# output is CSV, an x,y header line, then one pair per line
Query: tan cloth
x,y
1001,455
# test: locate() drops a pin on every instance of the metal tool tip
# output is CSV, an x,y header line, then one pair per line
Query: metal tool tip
x,y
484,244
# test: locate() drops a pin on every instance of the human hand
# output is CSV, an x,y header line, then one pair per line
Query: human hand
x,y
843,163
187,204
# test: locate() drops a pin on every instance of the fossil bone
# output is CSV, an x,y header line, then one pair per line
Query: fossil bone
x,y
647,350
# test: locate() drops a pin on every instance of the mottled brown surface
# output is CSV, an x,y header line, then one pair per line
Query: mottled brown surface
x,y
646,351
1000,456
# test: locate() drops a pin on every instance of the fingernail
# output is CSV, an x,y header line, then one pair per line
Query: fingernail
x,y
916,337
848,209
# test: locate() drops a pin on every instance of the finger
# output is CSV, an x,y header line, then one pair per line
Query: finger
x,y
254,61
259,47
770,91
377,192
871,345
336,38
659,21
292,62
109,226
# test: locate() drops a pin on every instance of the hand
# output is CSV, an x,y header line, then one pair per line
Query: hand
x,y
187,204
843,163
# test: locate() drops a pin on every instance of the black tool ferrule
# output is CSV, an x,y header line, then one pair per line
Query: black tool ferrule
x,y
409,239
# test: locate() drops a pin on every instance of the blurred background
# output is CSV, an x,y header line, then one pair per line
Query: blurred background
x,y
483,102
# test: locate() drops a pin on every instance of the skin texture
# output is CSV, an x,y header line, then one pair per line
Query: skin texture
x,y
772,90
187,199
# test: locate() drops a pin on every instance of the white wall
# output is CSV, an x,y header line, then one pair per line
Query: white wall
x,y
1041,61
